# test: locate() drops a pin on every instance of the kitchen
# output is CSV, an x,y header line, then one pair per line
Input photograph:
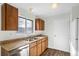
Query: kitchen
x,y
27,31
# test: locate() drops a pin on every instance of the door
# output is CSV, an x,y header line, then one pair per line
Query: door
x,y
42,24
74,37
60,35
32,51
43,46
39,49
46,43
37,24
9,17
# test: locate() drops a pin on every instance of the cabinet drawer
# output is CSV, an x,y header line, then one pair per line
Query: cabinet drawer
x,y
32,44
39,41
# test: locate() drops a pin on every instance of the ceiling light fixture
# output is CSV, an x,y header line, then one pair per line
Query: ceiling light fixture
x,y
54,5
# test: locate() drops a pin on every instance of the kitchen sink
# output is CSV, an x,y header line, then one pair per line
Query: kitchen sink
x,y
31,39
39,37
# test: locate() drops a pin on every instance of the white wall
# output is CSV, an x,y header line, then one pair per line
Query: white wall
x,y
57,29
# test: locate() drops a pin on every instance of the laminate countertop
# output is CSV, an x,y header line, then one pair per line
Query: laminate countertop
x,y
13,45
16,44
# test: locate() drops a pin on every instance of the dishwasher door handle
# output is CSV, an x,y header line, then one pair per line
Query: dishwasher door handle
x,y
23,47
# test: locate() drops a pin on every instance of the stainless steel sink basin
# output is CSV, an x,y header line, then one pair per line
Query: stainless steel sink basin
x,y
31,39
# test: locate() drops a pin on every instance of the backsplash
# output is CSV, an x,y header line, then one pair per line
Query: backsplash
x,y
8,35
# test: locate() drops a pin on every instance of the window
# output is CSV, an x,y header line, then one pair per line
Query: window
x,y
25,25
29,26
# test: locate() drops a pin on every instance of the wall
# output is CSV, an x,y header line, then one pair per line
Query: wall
x,y
57,29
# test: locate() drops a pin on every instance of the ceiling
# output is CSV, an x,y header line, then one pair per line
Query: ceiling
x,y
45,9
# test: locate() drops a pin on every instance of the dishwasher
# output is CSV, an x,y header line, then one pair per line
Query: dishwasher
x,y
21,51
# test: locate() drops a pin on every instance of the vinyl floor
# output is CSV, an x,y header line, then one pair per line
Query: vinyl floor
x,y
54,52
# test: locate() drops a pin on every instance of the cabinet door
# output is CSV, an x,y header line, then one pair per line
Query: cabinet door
x,y
46,43
39,49
32,51
42,25
9,17
39,24
43,46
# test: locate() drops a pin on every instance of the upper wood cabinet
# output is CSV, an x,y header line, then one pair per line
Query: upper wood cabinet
x,y
43,45
39,24
9,17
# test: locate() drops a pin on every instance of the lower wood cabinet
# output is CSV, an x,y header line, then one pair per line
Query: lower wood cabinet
x,y
38,47
46,43
43,46
39,50
33,49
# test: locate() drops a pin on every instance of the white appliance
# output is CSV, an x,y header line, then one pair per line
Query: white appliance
x,y
24,50
21,51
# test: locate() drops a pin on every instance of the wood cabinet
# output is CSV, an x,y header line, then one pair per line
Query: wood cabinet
x,y
46,43
9,17
39,24
38,47
33,49
39,51
42,24
4,52
43,45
